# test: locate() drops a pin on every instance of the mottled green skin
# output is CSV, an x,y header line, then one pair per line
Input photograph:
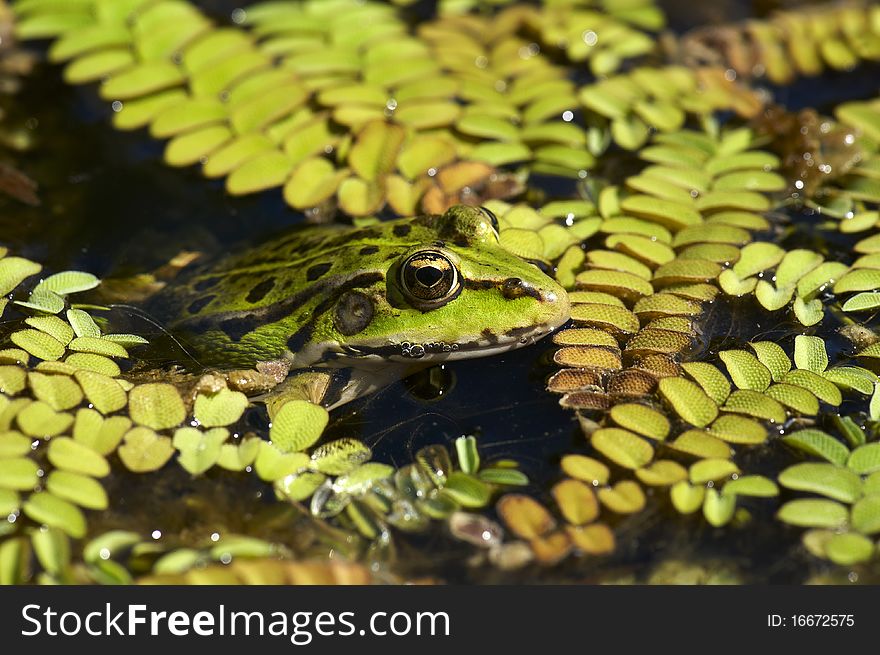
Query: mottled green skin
x,y
282,300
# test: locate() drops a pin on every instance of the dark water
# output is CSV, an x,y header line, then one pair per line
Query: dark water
x,y
111,207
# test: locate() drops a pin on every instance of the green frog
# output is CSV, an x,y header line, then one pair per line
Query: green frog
x,y
369,304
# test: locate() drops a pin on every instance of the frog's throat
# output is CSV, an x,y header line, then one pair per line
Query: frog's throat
x,y
415,354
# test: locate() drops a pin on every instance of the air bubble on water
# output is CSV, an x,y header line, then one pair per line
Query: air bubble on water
x,y
156,534
104,553
116,106
730,75
215,536
238,16
225,558
567,115
590,37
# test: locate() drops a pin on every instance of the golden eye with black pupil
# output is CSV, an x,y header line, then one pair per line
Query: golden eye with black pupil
x,y
429,279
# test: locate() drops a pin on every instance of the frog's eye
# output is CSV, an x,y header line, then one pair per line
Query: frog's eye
x,y
429,279
493,219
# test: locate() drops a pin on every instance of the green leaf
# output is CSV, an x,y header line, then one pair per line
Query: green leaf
x,y
69,282
97,346
18,474
70,455
809,513
192,147
297,425
156,405
712,380
301,485
58,391
43,300
751,485
224,407
39,344
823,389
795,398
503,477
820,444
829,480
44,507
848,548
78,489
53,326
363,477
39,420
622,447
718,508
641,419
143,450
738,429
340,456
376,149
862,302
689,401
143,79
707,470
83,325
809,353
866,514
102,391
865,460
468,457
874,405
313,181
198,450
746,371
687,498
13,271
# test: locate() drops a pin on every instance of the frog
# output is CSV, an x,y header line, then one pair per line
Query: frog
x,y
366,305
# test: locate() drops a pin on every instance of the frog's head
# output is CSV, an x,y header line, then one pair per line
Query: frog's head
x,y
444,290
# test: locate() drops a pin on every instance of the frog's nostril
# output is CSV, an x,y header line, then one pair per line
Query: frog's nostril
x,y
514,287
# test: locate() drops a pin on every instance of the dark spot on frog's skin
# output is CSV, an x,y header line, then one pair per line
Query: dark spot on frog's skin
x,y
369,250
353,312
479,285
236,328
318,270
402,230
199,304
513,288
257,293
207,283
439,244
489,335
462,243
518,332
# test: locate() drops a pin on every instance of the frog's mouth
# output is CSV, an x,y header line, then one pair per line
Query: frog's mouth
x,y
429,353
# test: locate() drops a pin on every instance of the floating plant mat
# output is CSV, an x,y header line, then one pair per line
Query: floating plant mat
x,y
713,404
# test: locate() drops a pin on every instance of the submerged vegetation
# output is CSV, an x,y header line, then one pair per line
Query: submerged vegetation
x,y
720,252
